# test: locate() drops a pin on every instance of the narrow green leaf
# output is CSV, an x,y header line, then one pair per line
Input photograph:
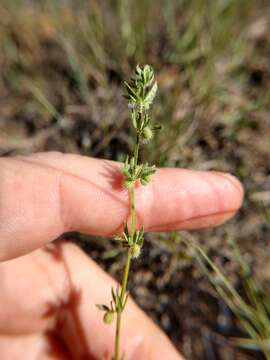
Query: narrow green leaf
x,y
102,307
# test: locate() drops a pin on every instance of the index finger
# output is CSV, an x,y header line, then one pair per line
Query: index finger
x,y
47,194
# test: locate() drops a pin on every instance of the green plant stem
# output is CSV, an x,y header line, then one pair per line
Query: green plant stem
x,y
136,149
129,257
119,312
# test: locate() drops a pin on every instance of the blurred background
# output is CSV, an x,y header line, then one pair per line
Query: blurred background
x,y
61,84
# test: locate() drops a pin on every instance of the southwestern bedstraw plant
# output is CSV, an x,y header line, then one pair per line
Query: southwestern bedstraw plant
x,y
141,91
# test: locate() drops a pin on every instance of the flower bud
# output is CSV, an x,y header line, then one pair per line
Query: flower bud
x,y
108,317
136,250
147,133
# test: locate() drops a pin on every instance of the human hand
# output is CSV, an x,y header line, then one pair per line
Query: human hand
x,y
48,296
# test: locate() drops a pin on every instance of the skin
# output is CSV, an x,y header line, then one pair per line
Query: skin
x,y
49,290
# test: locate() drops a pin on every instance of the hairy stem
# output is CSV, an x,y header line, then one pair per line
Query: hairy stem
x,y
129,256
119,312
136,149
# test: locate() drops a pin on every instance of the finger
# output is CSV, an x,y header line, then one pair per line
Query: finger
x,y
44,195
34,346
63,290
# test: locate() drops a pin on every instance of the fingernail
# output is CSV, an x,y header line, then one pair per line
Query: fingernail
x,y
232,179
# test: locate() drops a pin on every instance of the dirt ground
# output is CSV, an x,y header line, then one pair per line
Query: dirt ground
x,y
61,89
